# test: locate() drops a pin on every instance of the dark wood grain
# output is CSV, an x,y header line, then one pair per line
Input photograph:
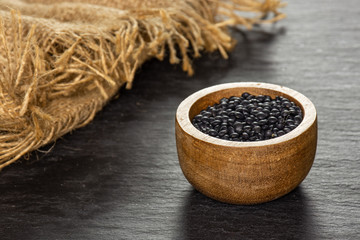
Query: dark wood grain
x,y
119,177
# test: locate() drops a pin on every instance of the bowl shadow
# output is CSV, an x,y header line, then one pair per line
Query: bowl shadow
x,y
285,218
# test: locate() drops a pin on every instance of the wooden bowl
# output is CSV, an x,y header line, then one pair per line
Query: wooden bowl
x,y
245,172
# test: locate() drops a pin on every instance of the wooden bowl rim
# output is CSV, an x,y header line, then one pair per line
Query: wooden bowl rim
x,y
183,119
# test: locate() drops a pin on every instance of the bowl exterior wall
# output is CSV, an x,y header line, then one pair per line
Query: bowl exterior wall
x,y
246,175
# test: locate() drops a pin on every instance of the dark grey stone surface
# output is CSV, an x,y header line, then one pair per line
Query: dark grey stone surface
x,y
119,178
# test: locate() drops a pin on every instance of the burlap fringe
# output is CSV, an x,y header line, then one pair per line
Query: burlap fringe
x,y
54,78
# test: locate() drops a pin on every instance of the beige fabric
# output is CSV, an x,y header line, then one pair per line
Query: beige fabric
x,y
61,61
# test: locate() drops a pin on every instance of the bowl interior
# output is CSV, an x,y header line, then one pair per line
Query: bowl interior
x,y
214,97
200,100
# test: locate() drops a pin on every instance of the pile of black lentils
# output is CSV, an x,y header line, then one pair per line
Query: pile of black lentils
x,y
249,118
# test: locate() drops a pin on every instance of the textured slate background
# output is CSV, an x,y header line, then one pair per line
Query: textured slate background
x,y
118,178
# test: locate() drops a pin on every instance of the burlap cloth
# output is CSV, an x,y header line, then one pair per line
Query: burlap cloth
x,y
61,61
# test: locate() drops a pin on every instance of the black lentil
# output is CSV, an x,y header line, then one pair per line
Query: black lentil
x,y
249,118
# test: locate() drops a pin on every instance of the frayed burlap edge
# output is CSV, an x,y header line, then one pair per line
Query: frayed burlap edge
x,y
54,80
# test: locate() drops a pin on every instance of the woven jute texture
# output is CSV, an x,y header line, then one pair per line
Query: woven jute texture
x,y
62,61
